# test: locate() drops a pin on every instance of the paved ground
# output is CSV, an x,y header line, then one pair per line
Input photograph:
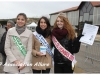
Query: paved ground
x,y
89,58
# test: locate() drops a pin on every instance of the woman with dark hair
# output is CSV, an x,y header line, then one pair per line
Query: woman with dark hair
x,y
65,45
42,37
18,47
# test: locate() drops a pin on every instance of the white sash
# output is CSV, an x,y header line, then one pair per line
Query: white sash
x,y
44,43
64,52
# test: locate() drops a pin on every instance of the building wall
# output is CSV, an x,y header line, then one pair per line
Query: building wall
x,y
86,13
96,16
73,17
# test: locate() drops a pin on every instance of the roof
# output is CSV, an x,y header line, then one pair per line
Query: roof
x,y
66,10
94,3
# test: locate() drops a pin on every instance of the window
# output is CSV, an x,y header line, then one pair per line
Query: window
x,y
95,11
81,13
89,8
85,17
84,9
81,18
98,10
95,20
91,18
91,11
98,21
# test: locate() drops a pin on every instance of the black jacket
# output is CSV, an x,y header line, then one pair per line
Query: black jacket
x,y
71,46
2,43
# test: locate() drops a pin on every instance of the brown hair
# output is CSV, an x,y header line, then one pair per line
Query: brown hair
x,y
67,26
22,14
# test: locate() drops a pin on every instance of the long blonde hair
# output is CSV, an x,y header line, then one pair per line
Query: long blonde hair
x,y
67,26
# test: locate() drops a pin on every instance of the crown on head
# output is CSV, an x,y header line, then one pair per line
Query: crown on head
x,y
62,14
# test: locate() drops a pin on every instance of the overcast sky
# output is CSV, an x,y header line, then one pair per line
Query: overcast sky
x,y
10,9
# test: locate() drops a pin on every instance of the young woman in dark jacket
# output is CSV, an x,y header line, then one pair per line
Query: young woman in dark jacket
x,y
65,35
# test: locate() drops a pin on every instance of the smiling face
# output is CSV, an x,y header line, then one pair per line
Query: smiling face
x,y
8,26
60,23
43,24
21,21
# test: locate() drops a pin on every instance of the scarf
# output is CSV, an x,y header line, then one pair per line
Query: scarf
x,y
59,33
20,29
40,31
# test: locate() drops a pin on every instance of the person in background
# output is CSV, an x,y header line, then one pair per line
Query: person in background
x,y
18,47
65,45
2,30
9,25
42,63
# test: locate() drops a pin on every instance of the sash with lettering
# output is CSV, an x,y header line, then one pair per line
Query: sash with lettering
x,y
19,45
64,52
44,42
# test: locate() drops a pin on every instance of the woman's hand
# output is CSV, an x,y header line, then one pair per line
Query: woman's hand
x,y
40,54
17,62
80,36
21,66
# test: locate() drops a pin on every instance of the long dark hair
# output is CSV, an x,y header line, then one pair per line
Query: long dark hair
x,y
47,31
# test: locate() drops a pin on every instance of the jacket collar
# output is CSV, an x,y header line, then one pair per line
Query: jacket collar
x,y
14,32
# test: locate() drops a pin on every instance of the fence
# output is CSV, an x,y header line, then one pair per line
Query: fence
x,y
93,52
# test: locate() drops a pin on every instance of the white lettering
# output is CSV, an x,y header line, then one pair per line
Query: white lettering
x,y
41,64
36,64
22,64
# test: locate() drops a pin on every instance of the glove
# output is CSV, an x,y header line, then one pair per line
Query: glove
x,y
80,36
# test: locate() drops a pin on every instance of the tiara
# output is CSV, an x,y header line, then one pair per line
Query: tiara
x,y
62,14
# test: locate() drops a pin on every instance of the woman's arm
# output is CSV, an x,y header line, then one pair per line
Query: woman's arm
x,y
28,56
8,51
34,52
76,44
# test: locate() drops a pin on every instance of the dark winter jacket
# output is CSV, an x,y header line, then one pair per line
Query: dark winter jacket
x,y
71,46
2,43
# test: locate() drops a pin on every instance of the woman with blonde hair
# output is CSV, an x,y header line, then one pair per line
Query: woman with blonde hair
x,y
65,45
